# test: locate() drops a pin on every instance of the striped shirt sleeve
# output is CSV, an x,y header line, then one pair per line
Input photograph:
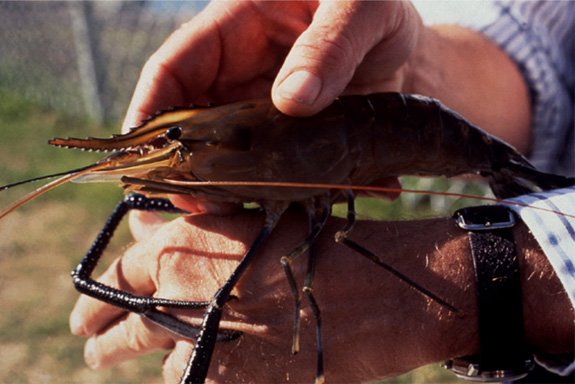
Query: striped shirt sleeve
x,y
539,36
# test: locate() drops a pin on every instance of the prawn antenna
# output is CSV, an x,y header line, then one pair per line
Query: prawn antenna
x,y
64,177
8,186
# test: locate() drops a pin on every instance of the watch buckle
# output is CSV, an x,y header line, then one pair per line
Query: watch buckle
x,y
486,226
471,371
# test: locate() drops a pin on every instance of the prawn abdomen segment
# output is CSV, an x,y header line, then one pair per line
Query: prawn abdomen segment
x,y
417,135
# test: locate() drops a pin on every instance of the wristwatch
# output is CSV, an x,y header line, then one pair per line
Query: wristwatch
x,y
504,355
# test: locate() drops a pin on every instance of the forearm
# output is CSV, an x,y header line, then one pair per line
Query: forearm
x,y
371,316
368,315
548,314
471,75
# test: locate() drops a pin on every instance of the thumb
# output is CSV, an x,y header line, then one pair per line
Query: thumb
x,y
324,58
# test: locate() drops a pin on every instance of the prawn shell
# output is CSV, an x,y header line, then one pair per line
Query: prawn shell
x,y
150,129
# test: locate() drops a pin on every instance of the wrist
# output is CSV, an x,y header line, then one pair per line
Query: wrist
x,y
424,73
548,314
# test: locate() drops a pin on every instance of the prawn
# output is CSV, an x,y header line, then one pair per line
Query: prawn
x,y
250,152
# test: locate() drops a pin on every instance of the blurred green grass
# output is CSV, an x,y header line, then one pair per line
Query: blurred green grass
x,y
43,241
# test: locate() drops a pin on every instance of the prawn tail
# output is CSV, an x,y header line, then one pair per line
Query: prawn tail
x,y
519,179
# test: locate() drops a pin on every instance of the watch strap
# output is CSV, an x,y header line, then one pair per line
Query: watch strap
x,y
503,351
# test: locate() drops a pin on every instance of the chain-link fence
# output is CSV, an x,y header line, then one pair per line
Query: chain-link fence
x,y
83,57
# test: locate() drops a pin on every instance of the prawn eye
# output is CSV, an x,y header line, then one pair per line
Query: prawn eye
x,y
174,133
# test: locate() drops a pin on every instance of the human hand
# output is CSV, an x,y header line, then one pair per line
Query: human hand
x,y
240,50
368,315
304,53
168,261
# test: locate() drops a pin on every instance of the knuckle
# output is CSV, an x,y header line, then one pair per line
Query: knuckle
x,y
141,336
332,48
175,362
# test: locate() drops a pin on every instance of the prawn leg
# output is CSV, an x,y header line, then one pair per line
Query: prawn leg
x,y
308,291
309,243
145,306
199,362
342,237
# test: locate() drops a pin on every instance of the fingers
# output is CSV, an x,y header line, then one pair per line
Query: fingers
x,y
128,274
175,362
324,58
183,67
90,315
350,47
127,338
144,224
117,335
170,255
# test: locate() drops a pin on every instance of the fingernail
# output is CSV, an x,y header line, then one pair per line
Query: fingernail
x,y
207,207
76,324
300,86
90,353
